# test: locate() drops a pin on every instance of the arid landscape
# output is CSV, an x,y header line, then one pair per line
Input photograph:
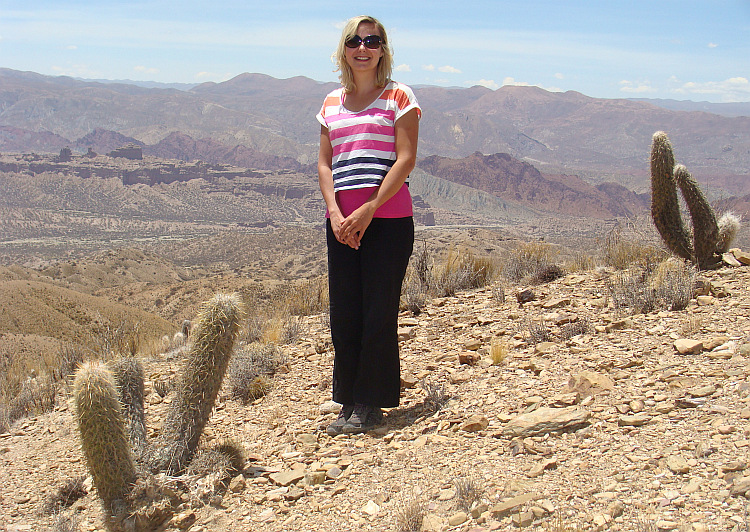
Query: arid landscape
x,y
576,382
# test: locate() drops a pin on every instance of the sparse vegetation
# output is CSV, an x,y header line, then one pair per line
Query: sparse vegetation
x,y
498,351
668,286
410,512
469,491
436,395
527,260
538,332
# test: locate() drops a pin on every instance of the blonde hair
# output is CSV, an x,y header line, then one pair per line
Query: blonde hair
x,y
385,65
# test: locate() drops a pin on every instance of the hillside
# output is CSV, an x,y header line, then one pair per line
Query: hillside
x,y
562,133
622,431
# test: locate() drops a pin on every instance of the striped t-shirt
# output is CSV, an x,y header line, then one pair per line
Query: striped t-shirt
x,y
363,143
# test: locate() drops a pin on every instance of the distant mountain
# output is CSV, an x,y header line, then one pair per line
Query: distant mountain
x,y
508,178
598,140
732,109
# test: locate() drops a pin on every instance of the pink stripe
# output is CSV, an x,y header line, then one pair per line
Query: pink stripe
x,y
364,144
373,111
360,129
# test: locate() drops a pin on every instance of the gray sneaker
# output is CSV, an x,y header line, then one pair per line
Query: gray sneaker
x,y
363,419
335,428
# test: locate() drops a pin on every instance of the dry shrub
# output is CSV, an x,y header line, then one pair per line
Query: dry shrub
x,y
628,247
527,259
116,340
581,262
469,491
67,494
69,357
414,294
498,351
547,274
569,330
410,513
538,332
498,294
461,271
668,286
436,395
65,523
37,396
307,297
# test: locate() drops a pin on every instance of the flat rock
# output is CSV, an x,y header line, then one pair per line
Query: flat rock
x,y
637,420
546,420
590,383
685,346
677,464
475,423
509,507
285,478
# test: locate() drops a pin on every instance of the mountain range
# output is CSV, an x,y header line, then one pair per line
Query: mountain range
x,y
558,152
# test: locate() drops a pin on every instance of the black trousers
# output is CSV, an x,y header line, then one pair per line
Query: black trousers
x,y
364,289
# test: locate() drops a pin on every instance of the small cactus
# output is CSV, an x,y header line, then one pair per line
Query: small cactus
x,y
103,439
709,237
110,413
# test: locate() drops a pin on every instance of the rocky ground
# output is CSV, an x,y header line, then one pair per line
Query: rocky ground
x,y
641,423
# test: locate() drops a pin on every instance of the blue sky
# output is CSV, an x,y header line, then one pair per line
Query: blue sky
x,y
685,50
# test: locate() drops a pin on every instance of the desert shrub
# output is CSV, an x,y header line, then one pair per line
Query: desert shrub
x,y
569,330
673,281
421,264
5,422
461,271
410,512
631,291
547,274
527,259
68,493
115,340
163,386
623,248
306,298
69,357
538,332
37,396
436,395
65,523
667,286
292,330
581,262
468,491
498,294
414,294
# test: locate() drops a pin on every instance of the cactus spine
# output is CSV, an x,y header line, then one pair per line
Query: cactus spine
x,y
103,440
709,237
213,340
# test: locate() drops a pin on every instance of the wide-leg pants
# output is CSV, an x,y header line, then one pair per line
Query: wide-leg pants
x,y
365,288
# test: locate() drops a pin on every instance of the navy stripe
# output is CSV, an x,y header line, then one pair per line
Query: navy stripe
x,y
361,171
364,160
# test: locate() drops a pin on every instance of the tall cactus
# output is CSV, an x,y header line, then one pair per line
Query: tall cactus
x,y
709,237
103,439
213,340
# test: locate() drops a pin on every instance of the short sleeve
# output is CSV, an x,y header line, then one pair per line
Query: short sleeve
x,y
405,101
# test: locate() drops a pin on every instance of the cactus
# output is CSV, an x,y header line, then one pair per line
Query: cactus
x,y
111,419
709,237
213,340
128,375
103,440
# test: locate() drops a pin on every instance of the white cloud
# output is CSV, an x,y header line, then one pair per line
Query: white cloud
x,y
449,69
735,89
559,76
71,47
145,70
636,87
489,83
429,68
402,68
511,81
713,45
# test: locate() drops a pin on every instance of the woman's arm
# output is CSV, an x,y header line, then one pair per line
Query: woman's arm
x,y
407,137
325,180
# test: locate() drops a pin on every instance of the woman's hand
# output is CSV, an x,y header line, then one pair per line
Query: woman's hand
x,y
354,226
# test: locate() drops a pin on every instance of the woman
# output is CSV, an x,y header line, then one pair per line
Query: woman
x,y
368,146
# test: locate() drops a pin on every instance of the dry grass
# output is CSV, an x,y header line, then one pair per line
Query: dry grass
x,y
667,286
410,513
628,246
527,260
469,491
498,351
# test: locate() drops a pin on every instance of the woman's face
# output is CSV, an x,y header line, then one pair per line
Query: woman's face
x,y
362,59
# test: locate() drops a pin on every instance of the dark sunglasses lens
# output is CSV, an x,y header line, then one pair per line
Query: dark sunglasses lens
x,y
354,42
372,41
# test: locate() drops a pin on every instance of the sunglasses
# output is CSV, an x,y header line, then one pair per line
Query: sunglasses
x,y
372,42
